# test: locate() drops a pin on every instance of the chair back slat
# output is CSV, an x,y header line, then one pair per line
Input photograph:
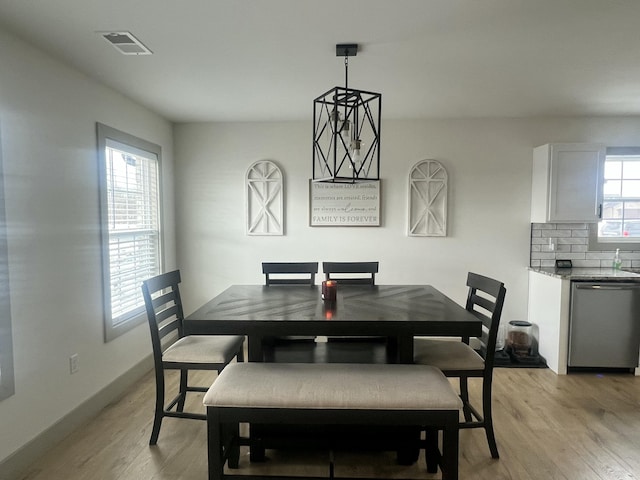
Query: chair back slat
x,y
486,321
308,271
487,304
160,282
485,300
168,328
170,312
343,271
163,299
288,281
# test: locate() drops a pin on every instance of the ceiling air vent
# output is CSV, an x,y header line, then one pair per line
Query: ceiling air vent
x,y
126,43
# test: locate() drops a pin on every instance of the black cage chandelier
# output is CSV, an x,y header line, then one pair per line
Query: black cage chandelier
x,y
346,131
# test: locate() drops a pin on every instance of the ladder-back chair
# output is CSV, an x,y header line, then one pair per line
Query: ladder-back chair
x,y
485,300
304,273
343,272
177,351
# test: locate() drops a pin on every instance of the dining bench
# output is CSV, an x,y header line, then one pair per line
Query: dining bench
x,y
380,395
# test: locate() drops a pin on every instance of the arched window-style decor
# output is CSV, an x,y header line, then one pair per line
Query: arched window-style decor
x,y
264,199
428,182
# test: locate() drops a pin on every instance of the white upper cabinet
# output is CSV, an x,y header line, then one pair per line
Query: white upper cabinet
x,y
567,182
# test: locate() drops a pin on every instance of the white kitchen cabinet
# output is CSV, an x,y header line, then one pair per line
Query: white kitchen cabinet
x,y
549,304
567,183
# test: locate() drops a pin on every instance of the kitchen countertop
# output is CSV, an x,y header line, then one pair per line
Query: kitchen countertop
x,y
587,274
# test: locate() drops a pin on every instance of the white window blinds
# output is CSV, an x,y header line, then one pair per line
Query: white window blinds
x,y
131,227
132,190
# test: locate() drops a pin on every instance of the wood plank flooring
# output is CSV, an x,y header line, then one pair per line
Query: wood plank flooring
x,y
577,427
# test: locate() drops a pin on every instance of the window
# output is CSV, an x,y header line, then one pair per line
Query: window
x,y
7,384
130,210
621,206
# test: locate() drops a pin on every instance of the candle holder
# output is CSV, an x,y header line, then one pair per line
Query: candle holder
x,y
329,290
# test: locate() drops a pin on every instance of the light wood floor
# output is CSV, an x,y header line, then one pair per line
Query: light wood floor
x,y
577,427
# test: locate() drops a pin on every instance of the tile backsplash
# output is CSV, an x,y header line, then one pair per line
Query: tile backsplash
x,y
570,241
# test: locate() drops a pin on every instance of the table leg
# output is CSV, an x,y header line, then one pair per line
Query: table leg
x,y
400,349
254,348
256,446
405,349
392,349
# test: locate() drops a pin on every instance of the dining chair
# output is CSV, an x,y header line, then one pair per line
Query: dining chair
x,y
352,273
343,272
485,299
291,275
308,269
179,351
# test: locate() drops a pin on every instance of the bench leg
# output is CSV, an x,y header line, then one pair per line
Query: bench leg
x,y
450,438
256,445
431,451
409,447
214,444
331,464
231,441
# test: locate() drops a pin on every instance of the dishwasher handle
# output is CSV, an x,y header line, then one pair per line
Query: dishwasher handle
x,y
607,286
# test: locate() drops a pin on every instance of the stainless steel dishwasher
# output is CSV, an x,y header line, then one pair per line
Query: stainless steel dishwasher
x,y
604,328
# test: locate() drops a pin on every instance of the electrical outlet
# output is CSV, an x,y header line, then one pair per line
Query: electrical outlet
x,y
73,363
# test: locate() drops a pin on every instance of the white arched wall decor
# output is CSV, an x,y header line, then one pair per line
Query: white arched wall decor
x,y
264,199
428,182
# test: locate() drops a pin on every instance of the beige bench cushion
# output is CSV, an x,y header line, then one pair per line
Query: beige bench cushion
x,y
332,386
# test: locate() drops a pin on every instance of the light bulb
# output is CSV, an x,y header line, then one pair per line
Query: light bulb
x,y
334,119
356,145
345,131
333,124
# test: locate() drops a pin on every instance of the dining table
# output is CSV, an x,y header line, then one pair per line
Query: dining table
x,y
397,312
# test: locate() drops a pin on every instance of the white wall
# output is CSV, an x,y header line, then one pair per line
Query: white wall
x,y
489,166
47,116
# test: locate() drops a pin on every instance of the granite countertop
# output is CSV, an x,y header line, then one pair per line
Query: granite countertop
x,y
587,274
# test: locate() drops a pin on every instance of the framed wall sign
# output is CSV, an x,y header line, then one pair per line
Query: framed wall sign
x,y
344,204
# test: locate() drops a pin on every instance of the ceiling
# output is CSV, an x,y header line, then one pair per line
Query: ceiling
x,y
263,60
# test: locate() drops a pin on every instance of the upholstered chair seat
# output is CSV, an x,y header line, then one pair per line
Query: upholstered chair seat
x,y
447,355
200,349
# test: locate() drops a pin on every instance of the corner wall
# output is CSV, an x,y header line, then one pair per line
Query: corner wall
x,y
48,114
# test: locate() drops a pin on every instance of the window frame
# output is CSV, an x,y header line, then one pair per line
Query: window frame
x,y
595,243
7,379
104,135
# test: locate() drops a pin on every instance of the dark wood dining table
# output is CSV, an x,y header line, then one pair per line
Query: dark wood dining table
x,y
398,312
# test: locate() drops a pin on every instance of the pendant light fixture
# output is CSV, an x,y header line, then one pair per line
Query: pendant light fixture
x,y
346,131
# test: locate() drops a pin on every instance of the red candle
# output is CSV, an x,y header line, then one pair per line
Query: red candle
x,y
329,290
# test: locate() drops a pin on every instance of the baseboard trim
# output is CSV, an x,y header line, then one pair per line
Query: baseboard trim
x,y
18,462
